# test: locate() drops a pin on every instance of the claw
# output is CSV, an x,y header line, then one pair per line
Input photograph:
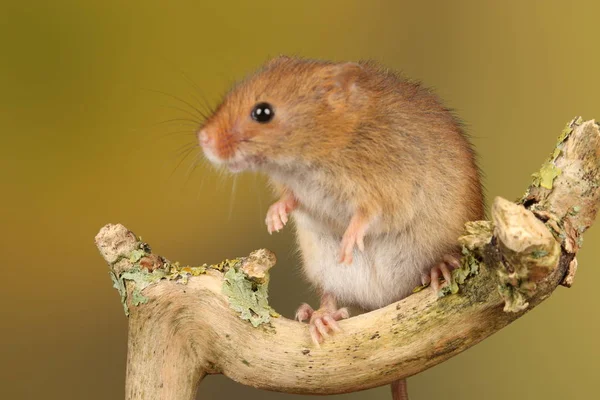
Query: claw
x,y
349,240
323,322
443,269
277,215
304,312
342,313
321,327
332,323
314,335
452,261
435,279
425,279
346,249
283,216
446,272
354,236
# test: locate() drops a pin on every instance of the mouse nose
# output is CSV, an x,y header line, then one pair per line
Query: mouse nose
x,y
204,138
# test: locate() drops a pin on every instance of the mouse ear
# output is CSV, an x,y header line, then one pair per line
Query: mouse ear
x,y
346,75
343,82
280,59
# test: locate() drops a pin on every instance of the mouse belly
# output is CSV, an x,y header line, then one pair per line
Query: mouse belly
x,y
386,272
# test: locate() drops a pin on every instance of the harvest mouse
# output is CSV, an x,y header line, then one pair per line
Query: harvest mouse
x,y
376,173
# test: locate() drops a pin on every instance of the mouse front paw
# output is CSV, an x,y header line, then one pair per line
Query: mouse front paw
x,y
277,215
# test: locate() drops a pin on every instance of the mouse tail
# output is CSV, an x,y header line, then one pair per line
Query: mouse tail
x,y
399,390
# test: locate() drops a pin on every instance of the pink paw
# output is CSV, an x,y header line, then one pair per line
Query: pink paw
x,y
349,241
322,322
277,215
304,312
443,269
354,236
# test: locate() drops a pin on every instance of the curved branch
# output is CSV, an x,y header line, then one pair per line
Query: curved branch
x,y
186,322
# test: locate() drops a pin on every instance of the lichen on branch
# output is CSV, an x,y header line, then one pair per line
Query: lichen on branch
x,y
135,267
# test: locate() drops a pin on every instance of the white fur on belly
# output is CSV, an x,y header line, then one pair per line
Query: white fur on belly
x,y
388,270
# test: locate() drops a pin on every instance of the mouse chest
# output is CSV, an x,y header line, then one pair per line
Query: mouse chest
x,y
319,200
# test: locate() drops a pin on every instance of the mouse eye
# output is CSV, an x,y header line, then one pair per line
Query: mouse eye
x,y
263,113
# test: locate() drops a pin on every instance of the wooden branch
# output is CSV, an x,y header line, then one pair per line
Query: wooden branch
x,y
186,322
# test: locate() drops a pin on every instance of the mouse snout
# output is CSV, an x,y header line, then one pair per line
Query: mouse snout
x,y
207,142
204,138
217,146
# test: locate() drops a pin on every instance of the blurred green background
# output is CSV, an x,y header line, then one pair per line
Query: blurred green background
x,y
87,138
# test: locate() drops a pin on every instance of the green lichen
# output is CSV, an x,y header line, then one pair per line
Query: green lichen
x,y
546,175
140,278
515,288
477,234
566,131
419,288
549,171
248,298
539,253
182,274
119,284
469,267
138,298
514,299
518,275
136,255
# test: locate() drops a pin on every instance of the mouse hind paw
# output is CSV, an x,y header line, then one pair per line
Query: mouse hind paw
x,y
322,322
304,312
442,270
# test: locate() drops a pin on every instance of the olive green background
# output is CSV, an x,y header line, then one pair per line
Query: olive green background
x,y
84,141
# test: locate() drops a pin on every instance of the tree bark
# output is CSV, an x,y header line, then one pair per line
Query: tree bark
x,y
189,321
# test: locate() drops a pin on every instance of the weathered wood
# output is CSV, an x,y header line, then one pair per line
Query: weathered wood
x,y
182,322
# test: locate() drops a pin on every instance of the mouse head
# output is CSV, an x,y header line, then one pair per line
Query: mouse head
x,y
290,111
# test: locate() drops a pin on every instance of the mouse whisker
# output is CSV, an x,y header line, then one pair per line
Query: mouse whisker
x,y
185,154
181,149
193,116
188,104
205,170
259,198
193,165
204,103
178,133
183,121
232,198
176,154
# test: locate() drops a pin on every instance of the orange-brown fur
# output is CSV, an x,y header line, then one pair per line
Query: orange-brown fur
x,y
353,146
358,139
